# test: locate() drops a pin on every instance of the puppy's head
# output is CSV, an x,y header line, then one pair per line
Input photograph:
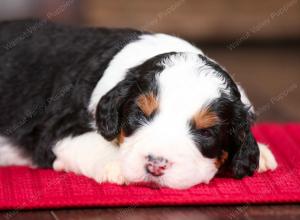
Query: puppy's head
x,y
178,118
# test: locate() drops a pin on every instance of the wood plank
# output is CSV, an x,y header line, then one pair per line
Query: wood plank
x,y
24,215
199,19
191,213
196,212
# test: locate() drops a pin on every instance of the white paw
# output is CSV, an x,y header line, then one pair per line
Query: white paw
x,y
113,174
267,160
58,165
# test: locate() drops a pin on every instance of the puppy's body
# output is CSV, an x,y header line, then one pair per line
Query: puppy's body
x,y
155,95
47,80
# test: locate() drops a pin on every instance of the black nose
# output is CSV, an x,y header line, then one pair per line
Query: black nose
x,y
156,166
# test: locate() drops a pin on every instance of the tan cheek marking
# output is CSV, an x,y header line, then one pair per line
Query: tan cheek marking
x,y
205,118
147,103
221,160
121,137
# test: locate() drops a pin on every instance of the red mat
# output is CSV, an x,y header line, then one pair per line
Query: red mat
x,y
24,188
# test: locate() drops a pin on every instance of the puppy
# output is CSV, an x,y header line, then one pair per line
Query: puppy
x,y
122,106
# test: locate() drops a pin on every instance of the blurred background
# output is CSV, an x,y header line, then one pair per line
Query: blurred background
x,y
258,42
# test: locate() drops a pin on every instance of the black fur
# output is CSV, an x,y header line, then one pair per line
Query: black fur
x,y
47,76
233,134
118,108
212,141
244,152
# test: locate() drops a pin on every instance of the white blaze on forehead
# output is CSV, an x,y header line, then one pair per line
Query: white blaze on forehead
x,y
133,54
186,85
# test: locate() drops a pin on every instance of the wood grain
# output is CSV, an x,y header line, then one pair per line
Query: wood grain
x,y
165,213
199,19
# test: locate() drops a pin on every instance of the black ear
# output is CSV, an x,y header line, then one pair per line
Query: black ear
x,y
108,117
245,156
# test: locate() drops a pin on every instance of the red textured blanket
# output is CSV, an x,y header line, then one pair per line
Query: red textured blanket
x,y
24,188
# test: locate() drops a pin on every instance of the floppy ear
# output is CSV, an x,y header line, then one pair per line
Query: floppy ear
x,y
245,157
108,117
108,113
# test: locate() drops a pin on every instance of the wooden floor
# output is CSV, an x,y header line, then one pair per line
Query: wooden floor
x,y
271,76
273,212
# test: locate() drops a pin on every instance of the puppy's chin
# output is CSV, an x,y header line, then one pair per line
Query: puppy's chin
x,y
183,177
189,167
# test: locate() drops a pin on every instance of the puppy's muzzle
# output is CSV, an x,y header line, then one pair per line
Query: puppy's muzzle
x,y
156,166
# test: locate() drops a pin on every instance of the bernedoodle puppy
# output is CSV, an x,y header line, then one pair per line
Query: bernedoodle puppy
x,y
122,106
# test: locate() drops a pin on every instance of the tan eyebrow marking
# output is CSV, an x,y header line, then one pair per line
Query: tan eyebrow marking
x,y
205,118
148,103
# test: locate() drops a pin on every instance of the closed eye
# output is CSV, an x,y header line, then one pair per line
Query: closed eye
x,y
202,132
205,132
151,116
144,119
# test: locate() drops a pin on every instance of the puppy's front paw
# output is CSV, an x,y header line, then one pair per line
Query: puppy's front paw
x,y
58,165
61,165
267,160
113,174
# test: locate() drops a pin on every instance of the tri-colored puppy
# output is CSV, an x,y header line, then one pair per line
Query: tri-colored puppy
x,y
121,105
